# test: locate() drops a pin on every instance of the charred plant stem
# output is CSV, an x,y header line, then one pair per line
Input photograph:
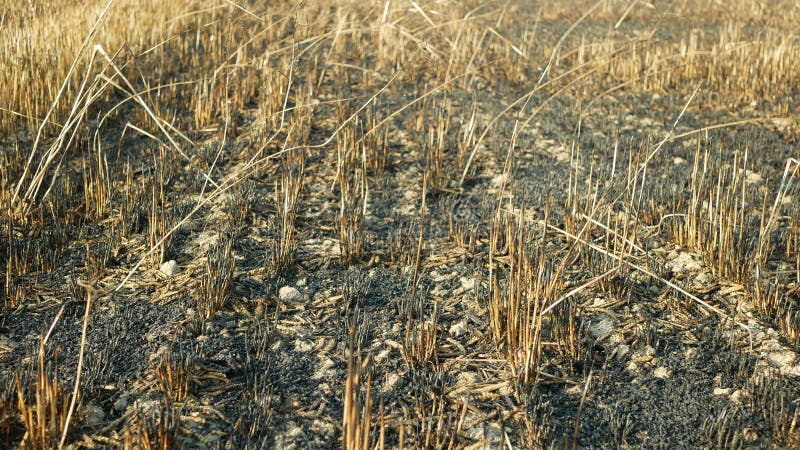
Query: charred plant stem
x,y
90,294
580,411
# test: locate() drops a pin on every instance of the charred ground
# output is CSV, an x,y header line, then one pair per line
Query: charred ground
x,y
400,224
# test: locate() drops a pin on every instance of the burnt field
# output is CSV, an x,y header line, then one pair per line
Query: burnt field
x,y
399,224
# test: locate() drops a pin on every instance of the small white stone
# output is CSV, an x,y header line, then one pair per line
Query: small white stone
x,y
467,378
622,351
499,180
94,414
296,432
493,436
489,436
383,355
290,294
121,404
781,359
331,247
459,328
722,391
169,268
303,346
601,327
662,372
574,389
739,396
752,177
475,433
684,262
325,369
390,381
467,283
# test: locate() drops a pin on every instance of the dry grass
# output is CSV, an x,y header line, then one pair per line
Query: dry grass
x,y
357,422
158,429
42,410
215,285
364,128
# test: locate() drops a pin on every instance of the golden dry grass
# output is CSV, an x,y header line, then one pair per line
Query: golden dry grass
x,y
137,119
743,49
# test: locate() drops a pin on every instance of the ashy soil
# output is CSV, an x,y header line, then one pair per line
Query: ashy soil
x,y
445,225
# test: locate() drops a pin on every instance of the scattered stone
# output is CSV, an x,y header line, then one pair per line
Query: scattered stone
x,y
575,389
772,332
383,355
325,369
654,243
662,372
603,326
560,152
498,180
683,262
390,381
677,160
781,359
702,279
721,391
289,438
493,435
94,414
331,247
467,378
302,345
457,329
121,404
489,436
475,433
169,268
621,351
290,294
752,177
739,396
